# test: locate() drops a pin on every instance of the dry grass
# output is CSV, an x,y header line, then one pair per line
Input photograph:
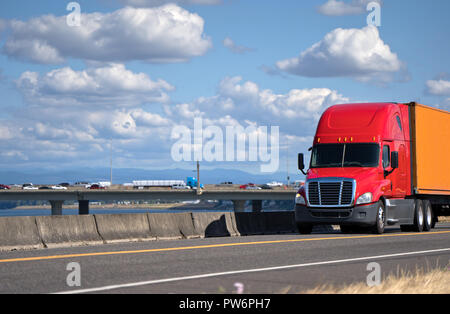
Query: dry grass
x,y
436,281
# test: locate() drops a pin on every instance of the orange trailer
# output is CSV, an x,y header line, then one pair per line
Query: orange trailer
x,y
430,143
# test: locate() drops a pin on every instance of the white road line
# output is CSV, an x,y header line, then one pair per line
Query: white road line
x,y
152,282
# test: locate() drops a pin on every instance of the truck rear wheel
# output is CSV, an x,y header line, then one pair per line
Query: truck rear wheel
x,y
428,216
418,216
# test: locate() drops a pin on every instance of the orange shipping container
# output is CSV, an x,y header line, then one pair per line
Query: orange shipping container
x,y
431,150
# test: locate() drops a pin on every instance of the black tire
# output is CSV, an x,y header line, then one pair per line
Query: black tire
x,y
428,216
304,228
435,221
380,223
418,216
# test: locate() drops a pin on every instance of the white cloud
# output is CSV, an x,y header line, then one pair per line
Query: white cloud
x,y
5,133
155,3
246,101
71,116
107,85
164,34
342,8
230,44
356,53
438,87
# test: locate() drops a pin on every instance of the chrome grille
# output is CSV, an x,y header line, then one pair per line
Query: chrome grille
x,y
331,192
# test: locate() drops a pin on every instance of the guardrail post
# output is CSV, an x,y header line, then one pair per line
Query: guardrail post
x,y
56,207
83,207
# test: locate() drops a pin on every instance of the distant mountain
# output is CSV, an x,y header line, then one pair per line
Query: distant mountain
x,y
121,176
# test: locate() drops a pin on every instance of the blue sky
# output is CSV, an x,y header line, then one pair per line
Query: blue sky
x,y
67,91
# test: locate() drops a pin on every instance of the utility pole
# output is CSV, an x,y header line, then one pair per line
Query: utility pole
x,y
198,178
111,163
287,164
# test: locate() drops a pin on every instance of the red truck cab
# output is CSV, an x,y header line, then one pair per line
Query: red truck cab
x,y
360,172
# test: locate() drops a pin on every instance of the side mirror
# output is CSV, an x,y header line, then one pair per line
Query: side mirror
x,y
301,162
394,160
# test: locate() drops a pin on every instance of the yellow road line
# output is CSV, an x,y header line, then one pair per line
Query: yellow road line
x,y
54,257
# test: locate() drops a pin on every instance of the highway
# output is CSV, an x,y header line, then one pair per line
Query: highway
x,y
289,263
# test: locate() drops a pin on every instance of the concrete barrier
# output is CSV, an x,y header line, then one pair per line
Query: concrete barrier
x,y
123,228
214,224
278,222
171,225
19,233
186,225
63,231
249,223
265,223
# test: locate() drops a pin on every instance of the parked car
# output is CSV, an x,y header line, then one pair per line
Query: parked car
x,y
4,187
275,184
180,187
30,187
58,187
266,187
44,188
97,187
253,187
243,187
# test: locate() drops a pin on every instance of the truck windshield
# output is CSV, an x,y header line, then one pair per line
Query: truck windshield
x,y
345,155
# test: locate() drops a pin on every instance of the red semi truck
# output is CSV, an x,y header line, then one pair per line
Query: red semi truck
x,y
374,165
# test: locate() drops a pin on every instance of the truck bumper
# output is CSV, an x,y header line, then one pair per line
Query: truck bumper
x,y
356,216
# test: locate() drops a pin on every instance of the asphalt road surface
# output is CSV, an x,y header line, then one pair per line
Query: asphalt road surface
x,y
288,263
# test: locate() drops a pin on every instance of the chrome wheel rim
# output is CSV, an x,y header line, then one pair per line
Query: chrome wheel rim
x,y
429,218
381,217
420,217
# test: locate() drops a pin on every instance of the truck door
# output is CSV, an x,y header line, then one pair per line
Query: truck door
x,y
386,159
397,186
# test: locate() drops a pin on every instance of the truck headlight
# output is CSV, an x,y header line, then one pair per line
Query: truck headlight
x,y
299,199
366,198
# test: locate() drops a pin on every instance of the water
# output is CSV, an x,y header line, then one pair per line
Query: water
x,y
48,212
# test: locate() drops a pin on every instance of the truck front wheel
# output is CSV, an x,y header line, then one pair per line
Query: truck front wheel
x,y
380,219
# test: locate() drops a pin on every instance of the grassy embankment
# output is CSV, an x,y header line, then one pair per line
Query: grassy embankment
x,y
436,281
